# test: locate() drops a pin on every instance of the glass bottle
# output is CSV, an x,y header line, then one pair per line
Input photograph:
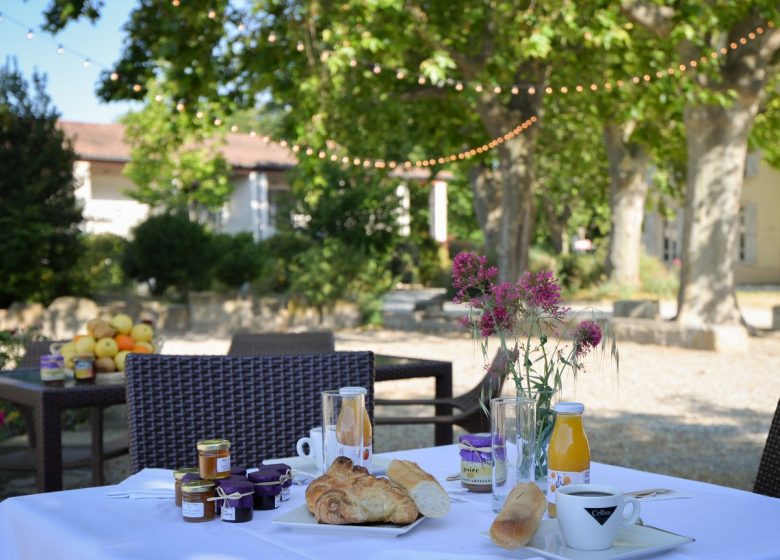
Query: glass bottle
x,y
347,433
568,456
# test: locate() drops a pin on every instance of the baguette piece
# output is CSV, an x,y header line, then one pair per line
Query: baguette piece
x,y
519,519
426,492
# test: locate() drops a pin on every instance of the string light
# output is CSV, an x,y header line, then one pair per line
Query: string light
x,y
30,35
60,49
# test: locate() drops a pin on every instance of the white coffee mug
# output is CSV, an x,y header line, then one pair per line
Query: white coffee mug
x,y
314,443
590,515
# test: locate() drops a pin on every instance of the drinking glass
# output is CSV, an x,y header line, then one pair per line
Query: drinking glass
x,y
342,425
513,439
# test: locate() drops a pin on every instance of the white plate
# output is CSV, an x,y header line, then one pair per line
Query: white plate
x,y
300,519
635,541
305,466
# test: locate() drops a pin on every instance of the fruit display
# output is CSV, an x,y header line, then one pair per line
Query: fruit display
x,y
110,342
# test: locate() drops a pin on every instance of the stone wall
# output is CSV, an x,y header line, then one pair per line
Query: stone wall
x,y
207,312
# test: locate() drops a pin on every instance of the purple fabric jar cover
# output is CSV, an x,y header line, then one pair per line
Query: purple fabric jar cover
x,y
190,476
238,471
479,441
281,469
230,485
270,485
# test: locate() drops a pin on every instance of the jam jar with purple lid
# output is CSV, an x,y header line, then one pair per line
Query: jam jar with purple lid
x,y
285,474
268,488
476,462
238,471
235,498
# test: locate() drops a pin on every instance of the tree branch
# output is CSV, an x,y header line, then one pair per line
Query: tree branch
x,y
657,19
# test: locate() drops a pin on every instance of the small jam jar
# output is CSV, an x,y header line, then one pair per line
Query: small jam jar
x,y
476,462
235,499
52,370
214,458
268,488
178,476
285,475
195,504
238,471
84,368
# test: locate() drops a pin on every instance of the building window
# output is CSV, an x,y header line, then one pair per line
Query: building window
x,y
746,236
671,241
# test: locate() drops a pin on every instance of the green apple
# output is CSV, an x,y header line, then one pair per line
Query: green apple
x,y
142,333
119,360
85,346
122,323
106,348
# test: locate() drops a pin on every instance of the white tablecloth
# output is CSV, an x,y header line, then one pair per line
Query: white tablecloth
x,y
726,523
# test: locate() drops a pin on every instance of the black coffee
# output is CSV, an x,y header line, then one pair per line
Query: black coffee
x,y
589,494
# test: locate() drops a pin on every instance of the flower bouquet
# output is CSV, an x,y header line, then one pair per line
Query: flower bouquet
x,y
523,316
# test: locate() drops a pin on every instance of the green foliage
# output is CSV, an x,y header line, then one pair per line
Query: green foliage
x,y
100,263
580,270
39,215
657,278
239,259
764,134
169,251
175,157
278,252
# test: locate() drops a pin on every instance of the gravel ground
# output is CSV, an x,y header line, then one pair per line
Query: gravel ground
x,y
695,414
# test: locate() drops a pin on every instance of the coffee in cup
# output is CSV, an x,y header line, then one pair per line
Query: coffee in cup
x,y
590,515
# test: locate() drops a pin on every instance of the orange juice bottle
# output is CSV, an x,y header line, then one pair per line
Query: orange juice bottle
x,y
568,456
360,450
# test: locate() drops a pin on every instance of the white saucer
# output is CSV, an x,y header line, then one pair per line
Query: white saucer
x,y
634,541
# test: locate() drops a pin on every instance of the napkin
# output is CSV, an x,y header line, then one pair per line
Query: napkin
x,y
147,484
657,494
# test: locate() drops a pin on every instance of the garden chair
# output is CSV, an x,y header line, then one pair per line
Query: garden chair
x,y
262,404
768,476
469,414
281,344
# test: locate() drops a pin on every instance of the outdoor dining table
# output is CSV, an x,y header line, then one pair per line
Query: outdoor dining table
x,y
24,387
86,523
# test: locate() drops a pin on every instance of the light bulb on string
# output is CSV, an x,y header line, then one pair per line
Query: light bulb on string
x,y
87,63
114,76
30,35
212,14
300,46
271,38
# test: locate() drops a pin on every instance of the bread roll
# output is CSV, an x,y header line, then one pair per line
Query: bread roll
x,y
519,519
426,492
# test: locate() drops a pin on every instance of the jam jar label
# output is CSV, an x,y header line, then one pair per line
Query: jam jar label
x,y
223,464
228,513
192,509
277,499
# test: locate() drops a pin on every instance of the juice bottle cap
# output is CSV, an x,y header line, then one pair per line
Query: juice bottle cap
x,y
346,391
569,407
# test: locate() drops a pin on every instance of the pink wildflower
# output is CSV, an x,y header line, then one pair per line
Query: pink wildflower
x,y
470,273
587,336
540,290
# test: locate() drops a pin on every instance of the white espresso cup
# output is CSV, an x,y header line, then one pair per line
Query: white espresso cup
x,y
590,515
314,444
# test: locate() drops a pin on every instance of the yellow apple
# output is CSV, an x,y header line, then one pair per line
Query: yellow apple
x,y
120,358
106,348
122,323
142,332
85,346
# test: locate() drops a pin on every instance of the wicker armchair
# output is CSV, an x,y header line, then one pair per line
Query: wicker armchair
x,y
768,476
262,404
469,415
282,344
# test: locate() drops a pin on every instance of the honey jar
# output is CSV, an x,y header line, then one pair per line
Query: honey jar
x,y
213,458
178,476
195,504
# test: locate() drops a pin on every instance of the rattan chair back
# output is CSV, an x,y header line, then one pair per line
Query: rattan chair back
x,y
281,344
262,404
768,476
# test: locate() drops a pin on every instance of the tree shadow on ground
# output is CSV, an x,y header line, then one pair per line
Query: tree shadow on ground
x,y
714,444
